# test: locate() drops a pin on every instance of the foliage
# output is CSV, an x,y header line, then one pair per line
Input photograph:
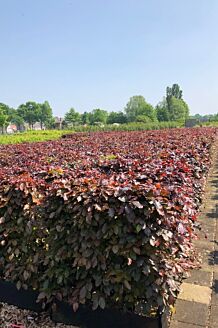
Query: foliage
x,y
178,110
72,117
138,106
103,219
44,115
14,118
175,91
162,111
4,116
85,118
116,117
35,136
173,107
143,119
3,119
134,126
29,112
5,108
98,116
31,136
137,110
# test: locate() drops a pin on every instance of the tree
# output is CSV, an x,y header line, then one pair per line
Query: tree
x,y
98,116
116,117
3,116
5,108
138,106
85,118
72,117
18,121
44,114
3,119
29,112
178,109
143,119
50,123
162,111
12,116
175,91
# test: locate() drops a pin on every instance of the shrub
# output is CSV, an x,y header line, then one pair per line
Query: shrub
x,y
103,219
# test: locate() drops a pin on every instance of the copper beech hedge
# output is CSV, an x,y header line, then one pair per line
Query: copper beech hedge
x,y
103,219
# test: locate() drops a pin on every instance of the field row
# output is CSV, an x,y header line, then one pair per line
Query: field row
x,y
48,135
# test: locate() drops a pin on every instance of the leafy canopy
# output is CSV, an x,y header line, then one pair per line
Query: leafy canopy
x,y
72,117
137,106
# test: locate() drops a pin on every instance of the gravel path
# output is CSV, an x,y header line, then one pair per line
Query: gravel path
x,y
12,317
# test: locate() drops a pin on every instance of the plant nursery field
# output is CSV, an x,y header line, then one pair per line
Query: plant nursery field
x,y
105,219
31,136
48,135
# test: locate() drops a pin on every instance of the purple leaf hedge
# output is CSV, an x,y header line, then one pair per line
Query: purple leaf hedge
x,y
103,219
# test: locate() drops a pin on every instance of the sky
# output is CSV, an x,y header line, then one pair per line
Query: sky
x,y
91,54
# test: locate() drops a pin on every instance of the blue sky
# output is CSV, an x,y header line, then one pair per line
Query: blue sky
x,y
98,53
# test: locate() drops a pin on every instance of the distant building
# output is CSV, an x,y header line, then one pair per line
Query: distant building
x,y
58,123
37,126
11,128
204,119
191,122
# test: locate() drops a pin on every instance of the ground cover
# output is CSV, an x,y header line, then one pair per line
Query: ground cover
x,y
31,136
104,219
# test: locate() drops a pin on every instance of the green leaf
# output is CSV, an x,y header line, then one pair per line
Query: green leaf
x,y
138,228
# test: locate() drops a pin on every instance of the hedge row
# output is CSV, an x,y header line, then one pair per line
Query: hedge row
x,y
103,219
134,126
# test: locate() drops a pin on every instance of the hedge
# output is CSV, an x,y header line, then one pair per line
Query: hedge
x,y
103,219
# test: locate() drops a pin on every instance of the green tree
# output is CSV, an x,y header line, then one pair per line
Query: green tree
x,y
98,116
174,91
162,111
17,120
4,116
5,108
178,109
143,119
138,106
3,119
116,117
45,114
12,115
50,123
85,118
29,112
72,117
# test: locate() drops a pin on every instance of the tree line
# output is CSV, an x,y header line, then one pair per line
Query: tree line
x,y
29,113
171,108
